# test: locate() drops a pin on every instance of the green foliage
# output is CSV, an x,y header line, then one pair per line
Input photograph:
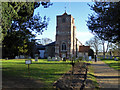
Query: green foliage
x,y
104,22
18,11
18,23
23,49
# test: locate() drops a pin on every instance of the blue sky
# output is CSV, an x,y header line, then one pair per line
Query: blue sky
x,y
79,10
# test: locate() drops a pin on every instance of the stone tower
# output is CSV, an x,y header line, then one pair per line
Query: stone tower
x,y
66,43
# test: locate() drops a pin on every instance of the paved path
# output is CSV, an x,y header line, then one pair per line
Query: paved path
x,y
106,77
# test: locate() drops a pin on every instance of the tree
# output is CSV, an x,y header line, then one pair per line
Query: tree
x,y
18,11
104,22
95,43
114,49
18,38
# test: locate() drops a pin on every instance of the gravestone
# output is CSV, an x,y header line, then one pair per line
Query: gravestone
x,y
107,56
90,58
53,58
115,59
83,57
111,57
86,58
49,58
16,57
36,57
58,58
64,59
29,57
21,57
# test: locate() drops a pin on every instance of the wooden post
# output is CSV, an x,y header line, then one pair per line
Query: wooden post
x,y
28,66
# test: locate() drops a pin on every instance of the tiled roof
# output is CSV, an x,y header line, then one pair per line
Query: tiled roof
x,y
84,48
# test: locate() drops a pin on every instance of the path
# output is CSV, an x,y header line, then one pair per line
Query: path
x,y
106,77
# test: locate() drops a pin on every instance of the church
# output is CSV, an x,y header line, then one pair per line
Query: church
x,y
66,44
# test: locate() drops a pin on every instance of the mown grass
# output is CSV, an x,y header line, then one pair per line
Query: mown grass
x,y
46,71
112,63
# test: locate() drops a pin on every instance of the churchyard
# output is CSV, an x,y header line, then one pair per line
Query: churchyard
x,y
47,71
43,70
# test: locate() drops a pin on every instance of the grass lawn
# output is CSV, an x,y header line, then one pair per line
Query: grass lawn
x,y
46,71
112,63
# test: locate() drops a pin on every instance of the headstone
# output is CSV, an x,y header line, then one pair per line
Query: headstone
x,y
107,56
36,58
21,57
83,57
115,59
29,57
90,58
111,57
6,58
86,58
16,57
53,58
103,56
64,59
49,58
58,58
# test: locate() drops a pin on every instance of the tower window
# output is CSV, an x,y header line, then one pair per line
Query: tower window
x,y
63,46
63,20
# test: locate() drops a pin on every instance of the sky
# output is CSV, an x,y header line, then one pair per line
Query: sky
x,y
79,10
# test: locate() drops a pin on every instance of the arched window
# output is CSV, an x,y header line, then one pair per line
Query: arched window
x,y
63,46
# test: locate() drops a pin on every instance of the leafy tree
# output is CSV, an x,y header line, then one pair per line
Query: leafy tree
x,y
18,11
104,22
19,38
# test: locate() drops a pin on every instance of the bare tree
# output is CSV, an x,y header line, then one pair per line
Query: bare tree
x,y
44,41
95,43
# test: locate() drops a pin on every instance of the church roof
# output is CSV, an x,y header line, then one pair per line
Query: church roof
x,y
84,48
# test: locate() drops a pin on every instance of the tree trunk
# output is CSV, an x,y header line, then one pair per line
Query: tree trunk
x,y
103,42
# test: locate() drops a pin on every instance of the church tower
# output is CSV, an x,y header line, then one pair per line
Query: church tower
x,y
65,45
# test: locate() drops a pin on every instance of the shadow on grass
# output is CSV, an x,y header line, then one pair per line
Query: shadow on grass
x,y
115,66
